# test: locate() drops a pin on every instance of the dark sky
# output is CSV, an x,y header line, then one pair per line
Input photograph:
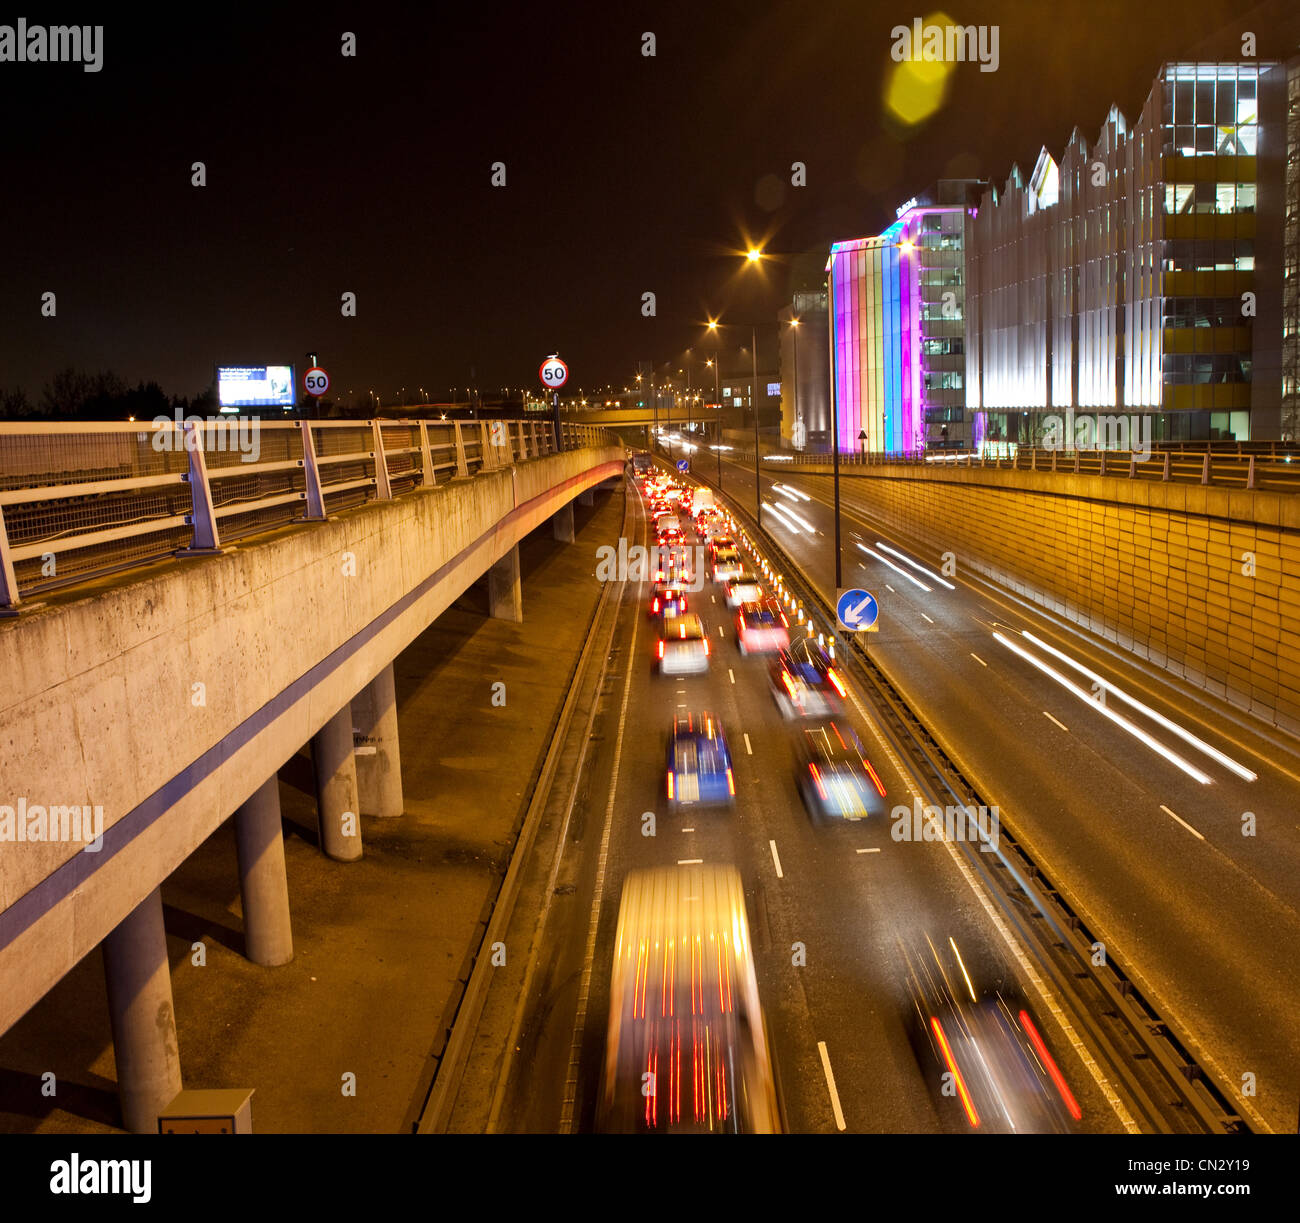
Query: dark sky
x,y
625,174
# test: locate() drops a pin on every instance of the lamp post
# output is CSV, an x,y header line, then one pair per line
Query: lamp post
x,y
862,439
798,420
717,397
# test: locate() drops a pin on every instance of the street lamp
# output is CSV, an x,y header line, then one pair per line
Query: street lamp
x,y
862,438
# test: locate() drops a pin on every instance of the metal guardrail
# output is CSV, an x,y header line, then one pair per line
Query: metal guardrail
x,y
85,499
1264,466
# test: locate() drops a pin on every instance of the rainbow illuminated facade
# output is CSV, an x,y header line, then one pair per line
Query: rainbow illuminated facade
x,y
897,333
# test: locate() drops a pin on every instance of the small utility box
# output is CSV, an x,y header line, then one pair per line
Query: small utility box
x,y
209,1111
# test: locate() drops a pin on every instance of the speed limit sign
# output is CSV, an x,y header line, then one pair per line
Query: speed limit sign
x,y
554,373
316,380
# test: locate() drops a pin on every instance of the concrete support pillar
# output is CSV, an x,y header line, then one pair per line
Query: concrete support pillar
x,y
586,497
336,788
144,1022
263,883
378,754
562,522
505,592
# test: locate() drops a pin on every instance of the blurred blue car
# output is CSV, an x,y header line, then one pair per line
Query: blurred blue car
x,y
699,763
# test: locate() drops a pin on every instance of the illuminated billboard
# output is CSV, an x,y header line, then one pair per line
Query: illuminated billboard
x,y
255,386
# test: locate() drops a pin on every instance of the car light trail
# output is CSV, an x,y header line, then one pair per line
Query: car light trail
x,y
1173,727
886,561
1057,1077
907,560
780,512
1133,729
790,491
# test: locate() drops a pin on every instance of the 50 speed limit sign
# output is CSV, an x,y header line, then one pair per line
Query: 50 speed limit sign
x,y
554,373
316,380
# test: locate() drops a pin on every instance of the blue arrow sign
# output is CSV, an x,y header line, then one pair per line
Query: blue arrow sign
x,y
683,465
856,609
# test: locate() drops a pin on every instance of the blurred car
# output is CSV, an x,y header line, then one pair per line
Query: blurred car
x,y
805,683
761,628
686,1050
726,564
668,601
699,762
683,647
971,1028
742,588
720,539
836,780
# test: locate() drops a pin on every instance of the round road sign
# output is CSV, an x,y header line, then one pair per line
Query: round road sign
x,y
316,380
554,373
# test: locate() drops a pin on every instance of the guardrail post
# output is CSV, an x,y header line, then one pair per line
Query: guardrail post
x,y
315,498
426,457
486,449
383,487
1165,477
1102,469
1033,460
1132,465
462,471
9,600
1250,473
1205,468
1076,462
203,517
1054,454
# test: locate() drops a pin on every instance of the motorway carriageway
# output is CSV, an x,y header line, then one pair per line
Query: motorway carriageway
x,y
846,892
1139,828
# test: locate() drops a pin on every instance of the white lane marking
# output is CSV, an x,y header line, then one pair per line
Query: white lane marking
x,y
777,860
1059,723
889,588
690,861
719,630
732,674
713,598
978,659
688,829
1133,729
830,1084
1186,735
748,750
868,851
925,617
1182,821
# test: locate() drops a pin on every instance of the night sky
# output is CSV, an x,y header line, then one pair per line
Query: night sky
x,y
625,174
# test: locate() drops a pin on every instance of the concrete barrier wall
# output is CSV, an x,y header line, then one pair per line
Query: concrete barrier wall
x,y
1160,569
101,700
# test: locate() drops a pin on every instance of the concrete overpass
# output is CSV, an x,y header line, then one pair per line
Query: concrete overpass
x,y
161,698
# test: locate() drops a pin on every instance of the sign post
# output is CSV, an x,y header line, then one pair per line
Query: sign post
x,y
316,381
554,374
857,610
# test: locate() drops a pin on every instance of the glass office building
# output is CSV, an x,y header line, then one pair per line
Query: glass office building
x,y
897,333
1142,273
